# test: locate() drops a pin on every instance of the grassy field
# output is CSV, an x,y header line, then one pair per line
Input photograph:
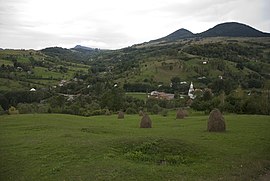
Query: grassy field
x,y
66,147
138,95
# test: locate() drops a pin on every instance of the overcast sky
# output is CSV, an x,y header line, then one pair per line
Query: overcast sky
x,y
113,24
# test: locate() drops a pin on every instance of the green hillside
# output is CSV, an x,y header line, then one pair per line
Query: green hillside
x,y
25,69
245,61
224,72
238,59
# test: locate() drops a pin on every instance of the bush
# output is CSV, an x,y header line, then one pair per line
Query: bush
x,y
26,108
164,112
156,109
131,111
12,110
42,108
2,111
97,112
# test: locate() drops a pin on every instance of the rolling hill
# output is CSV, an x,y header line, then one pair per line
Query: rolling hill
x,y
232,50
25,69
179,34
228,29
233,29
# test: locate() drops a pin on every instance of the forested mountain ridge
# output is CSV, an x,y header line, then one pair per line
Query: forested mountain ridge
x,y
233,29
228,29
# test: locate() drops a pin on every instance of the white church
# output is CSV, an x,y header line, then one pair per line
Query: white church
x,y
191,91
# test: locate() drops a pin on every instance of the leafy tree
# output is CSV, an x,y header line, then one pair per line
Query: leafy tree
x,y
226,85
57,101
2,111
164,112
26,108
240,66
233,104
156,109
131,111
113,99
207,95
254,83
178,86
4,103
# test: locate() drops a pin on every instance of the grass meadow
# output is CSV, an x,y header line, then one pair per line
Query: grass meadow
x,y
68,147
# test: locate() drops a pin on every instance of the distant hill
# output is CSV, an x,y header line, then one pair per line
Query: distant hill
x,y
230,29
233,29
77,54
68,55
83,47
179,34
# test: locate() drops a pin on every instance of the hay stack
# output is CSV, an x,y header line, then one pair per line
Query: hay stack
x,y
180,114
185,113
121,115
216,122
141,113
146,122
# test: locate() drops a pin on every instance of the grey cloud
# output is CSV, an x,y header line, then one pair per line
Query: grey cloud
x,y
96,29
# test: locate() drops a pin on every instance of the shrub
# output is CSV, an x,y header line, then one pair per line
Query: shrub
x,y
12,110
156,109
42,108
131,111
100,112
2,111
164,112
25,108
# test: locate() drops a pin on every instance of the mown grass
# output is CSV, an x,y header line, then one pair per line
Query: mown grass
x,y
9,85
138,95
65,147
43,72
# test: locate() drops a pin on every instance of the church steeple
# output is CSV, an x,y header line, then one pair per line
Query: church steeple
x,y
190,91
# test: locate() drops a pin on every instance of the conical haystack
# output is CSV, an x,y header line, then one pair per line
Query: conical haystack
x,y
185,113
121,115
180,114
146,122
216,122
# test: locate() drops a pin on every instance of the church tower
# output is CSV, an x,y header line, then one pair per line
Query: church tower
x,y
191,91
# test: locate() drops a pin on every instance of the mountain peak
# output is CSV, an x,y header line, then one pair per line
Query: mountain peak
x,y
179,34
233,29
228,29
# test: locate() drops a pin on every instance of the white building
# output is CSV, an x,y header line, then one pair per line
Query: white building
x,y
191,91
